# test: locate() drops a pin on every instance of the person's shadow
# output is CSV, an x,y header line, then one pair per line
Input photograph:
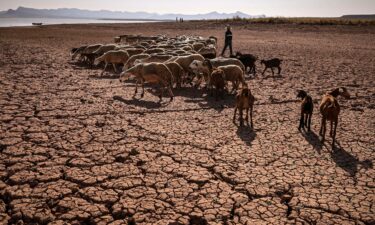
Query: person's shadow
x,y
348,162
313,140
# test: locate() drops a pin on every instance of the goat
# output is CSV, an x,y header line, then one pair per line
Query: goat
x,y
244,101
330,110
248,60
272,63
307,107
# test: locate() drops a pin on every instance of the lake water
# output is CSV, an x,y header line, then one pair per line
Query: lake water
x,y
16,22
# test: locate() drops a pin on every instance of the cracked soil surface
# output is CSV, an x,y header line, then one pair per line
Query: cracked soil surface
x,y
78,149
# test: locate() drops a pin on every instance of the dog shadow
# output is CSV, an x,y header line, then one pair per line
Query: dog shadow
x,y
141,103
348,162
313,140
246,133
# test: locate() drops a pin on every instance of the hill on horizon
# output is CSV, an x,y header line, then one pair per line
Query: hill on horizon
x,y
23,12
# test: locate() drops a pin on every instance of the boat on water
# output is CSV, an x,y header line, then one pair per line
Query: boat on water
x,y
37,24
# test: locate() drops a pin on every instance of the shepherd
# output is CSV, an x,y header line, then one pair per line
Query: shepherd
x,y
228,41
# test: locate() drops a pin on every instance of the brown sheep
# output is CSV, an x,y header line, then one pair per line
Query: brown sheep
x,y
330,110
244,101
234,74
217,82
307,107
113,57
156,73
132,59
177,72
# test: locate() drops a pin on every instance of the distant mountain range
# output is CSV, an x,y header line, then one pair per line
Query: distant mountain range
x,y
22,12
368,17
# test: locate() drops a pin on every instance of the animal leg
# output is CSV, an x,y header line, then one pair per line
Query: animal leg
x,y
114,67
324,129
251,116
279,69
309,115
273,74
301,125
334,134
106,64
331,132
264,70
170,92
234,115
247,116
241,117
143,88
136,87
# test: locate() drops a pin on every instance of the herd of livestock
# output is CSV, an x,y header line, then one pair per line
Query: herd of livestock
x,y
191,60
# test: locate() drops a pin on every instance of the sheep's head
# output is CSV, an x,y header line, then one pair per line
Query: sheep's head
x,y
301,94
124,76
262,61
196,65
238,54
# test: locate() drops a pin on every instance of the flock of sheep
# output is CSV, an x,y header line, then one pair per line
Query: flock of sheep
x,y
191,60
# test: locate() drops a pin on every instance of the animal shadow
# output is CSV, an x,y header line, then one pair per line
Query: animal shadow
x,y
246,133
105,76
140,102
313,140
348,162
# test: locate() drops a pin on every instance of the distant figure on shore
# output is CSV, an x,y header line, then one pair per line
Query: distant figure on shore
x,y
228,41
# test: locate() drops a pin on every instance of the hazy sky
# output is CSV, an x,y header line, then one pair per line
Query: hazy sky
x,y
253,7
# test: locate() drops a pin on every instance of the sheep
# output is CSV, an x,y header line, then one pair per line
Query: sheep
x,y
244,101
112,57
73,50
234,74
154,58
307,107
185,61
275,62
197,46
226,61
248,60
134,51
212,40
205,67
154,50
330,110
117,39
152,73
177,72
208,52
132,59
217,81
104,48
87,50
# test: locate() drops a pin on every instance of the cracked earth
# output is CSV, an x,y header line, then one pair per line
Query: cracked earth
x,y
78,149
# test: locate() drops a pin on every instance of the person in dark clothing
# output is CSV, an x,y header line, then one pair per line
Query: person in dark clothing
x,y
228,41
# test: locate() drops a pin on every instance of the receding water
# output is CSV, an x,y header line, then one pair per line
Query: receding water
x,y
15,22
